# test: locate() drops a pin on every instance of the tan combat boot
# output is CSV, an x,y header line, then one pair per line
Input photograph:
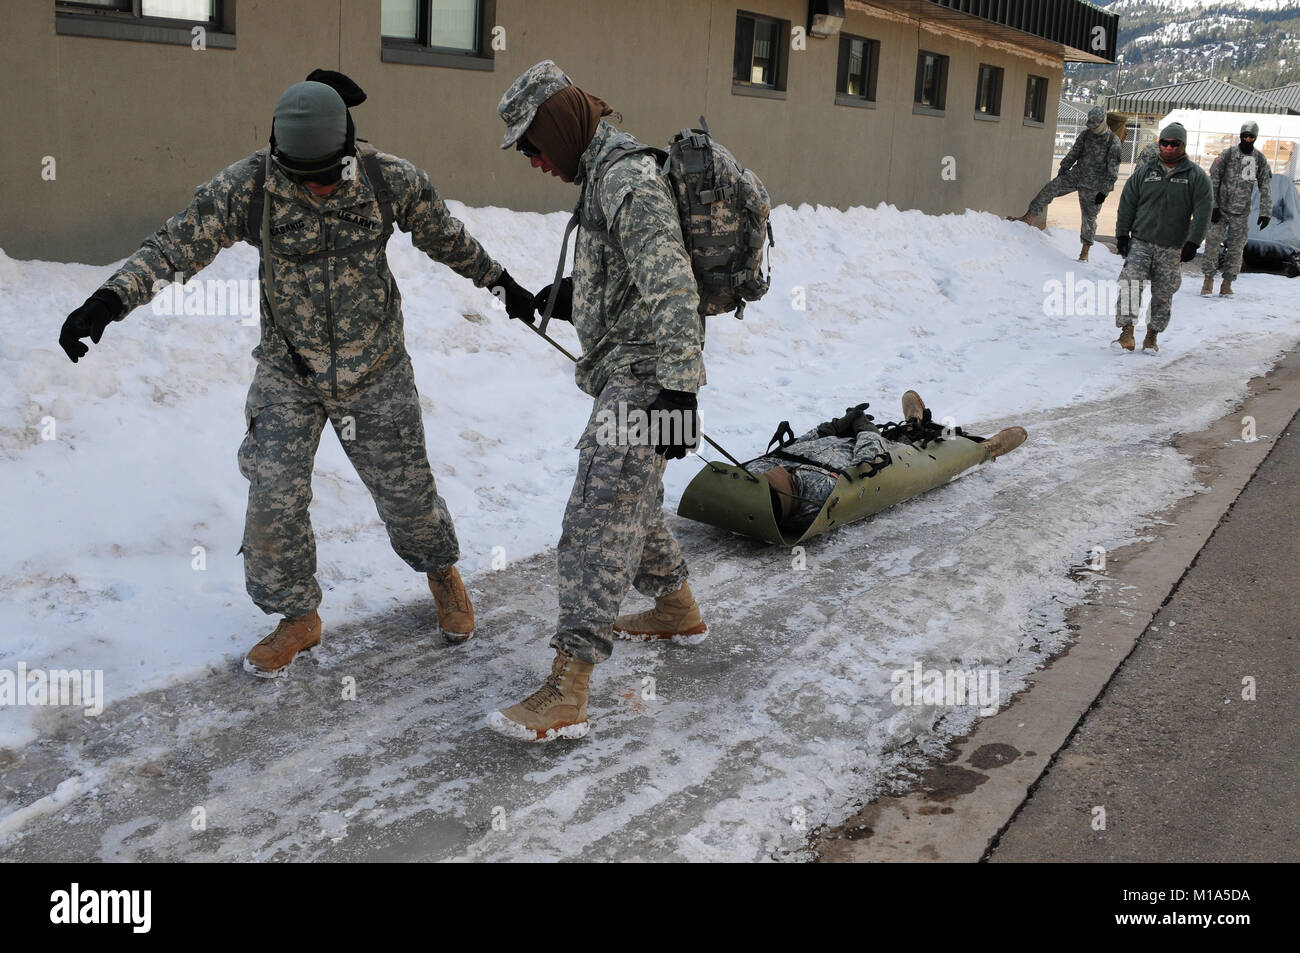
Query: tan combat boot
x,y
1125,339
1225,289
455,613
270,658
1207,286
1027,218
1083,253
1004,441
556,710
913,406
676,615
1149,342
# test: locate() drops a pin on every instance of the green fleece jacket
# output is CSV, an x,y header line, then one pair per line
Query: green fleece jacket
x,y
1166,206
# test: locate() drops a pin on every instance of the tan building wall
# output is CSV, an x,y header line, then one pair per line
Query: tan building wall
x,y
135,126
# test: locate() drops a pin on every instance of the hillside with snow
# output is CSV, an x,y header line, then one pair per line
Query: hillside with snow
x,y
1255,43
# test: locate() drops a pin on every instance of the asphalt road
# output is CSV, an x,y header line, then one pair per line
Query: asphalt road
x,y
1186,766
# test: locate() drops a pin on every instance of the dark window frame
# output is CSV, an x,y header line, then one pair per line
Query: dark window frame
x,y
1036,110
80,19
871,71
419,52
941,84
780,53
999,77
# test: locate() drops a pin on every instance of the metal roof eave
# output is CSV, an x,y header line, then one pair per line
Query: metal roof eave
x,y
1062,29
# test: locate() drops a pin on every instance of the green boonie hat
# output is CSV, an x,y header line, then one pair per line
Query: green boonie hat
x,y
1251,127
1175,130
519,105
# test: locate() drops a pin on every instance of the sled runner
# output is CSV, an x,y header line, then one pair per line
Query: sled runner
x,y
920,458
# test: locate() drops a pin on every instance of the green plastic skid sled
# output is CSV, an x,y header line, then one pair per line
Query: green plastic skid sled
x,y
731,498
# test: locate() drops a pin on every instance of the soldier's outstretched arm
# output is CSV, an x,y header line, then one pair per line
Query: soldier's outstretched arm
x,y
643,217
420,210
187,242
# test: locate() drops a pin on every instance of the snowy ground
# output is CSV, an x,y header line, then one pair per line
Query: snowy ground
x,y
783,719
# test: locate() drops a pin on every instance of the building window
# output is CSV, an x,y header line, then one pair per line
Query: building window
x,y
931,81
189,11
1036,99
988,93
760,62
181,22
437,32
855,79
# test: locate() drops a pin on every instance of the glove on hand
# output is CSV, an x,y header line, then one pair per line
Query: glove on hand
x,y
563,301
678,440
1216,216
518,302
1101,197
1121,245
1189,251
100,310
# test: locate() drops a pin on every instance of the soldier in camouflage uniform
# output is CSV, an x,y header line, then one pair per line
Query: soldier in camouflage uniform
x,y
1163,213
1150,153
1234,175
331,347
634,302
1089,168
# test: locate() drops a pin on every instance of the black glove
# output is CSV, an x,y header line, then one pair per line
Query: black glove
x,y
1264,220
1216,216
681,429
518,302
563,301
1189,251
100,310
1101,197
1121,245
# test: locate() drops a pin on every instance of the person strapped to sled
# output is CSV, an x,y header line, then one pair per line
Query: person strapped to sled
x,y
803,472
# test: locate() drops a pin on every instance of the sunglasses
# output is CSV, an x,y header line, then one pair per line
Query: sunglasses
x,y
1169,143
1246,135
527,148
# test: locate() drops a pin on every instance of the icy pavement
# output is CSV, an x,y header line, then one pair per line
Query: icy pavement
x,y
731,750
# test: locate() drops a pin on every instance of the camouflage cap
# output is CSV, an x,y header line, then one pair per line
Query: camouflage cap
x,y
1250,128
519,104
1096,116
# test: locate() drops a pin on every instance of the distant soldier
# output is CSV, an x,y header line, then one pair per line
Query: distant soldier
x,y
321,205
1089,168
634,301
1165,207
1235,173
1150,153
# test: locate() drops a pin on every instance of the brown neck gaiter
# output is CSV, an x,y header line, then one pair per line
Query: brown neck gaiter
x,y
564,125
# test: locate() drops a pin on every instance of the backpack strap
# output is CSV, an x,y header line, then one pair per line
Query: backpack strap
x,y
257,203
383,194
559,268
589,223
268,263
